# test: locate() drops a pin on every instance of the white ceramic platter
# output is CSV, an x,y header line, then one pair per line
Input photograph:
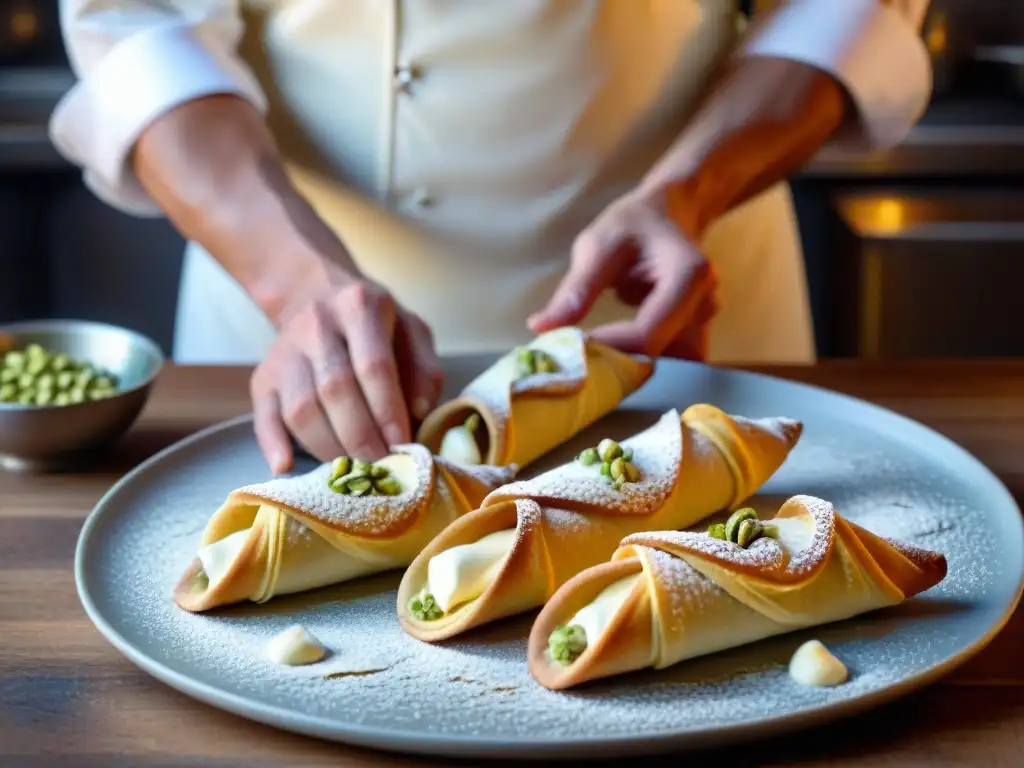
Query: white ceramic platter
x,y
474,697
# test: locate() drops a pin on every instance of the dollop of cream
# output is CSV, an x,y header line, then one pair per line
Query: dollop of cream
x,y
459,445
463,573
595,617
218,557
813,664
294,647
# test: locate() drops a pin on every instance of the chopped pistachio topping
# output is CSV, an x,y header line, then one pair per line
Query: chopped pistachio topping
x,y
423,607
387,486
340,467
732,525
358,478
748,531
533,361
472,423
717,531
565,644
742,528
609,450
614,462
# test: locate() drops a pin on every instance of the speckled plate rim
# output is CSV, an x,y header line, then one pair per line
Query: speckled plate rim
x,y
679,739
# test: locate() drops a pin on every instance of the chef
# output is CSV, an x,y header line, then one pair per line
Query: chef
x,y
367,183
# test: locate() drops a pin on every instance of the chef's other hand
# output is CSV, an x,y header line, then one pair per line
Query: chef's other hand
x,y
635,248
345,371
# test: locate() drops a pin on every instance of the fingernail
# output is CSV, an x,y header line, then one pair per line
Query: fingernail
x,y
278,463
365,453
393,434
420,407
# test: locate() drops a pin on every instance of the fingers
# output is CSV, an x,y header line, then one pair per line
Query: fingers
x,y
368,318
418,366
596,261
681,282
300,408
693,343
271,434
339,391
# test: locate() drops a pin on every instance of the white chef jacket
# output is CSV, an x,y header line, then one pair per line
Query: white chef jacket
x,y
459,146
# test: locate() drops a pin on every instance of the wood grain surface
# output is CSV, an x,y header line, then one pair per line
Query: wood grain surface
x,y
69,698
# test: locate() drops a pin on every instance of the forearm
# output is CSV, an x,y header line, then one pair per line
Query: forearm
x,y
810,72
212,166
763,119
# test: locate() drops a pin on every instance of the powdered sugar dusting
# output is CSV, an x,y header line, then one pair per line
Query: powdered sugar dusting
x,y
494,389
684,592
488,475
657,453
478,685
766,555
358,515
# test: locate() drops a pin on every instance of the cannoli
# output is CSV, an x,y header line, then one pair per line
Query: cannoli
x,y
531,536
343,520
665,597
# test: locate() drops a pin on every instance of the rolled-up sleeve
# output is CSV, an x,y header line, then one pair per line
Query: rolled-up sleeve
x,y
872,47
134,61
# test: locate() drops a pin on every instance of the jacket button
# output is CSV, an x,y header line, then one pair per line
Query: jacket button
x,y
406,75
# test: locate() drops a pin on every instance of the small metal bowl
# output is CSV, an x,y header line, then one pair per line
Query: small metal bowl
x,y
52,438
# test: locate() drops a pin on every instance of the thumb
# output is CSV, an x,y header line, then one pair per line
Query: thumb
x,y
592,269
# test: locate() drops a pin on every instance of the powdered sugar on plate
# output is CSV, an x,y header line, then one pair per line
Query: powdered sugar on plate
x,y
478,685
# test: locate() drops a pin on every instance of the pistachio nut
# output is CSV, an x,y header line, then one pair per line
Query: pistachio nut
x,y
378,472
609,450
717,531
472,423
732,525
632,471
387,486
606,468
543,362
340,467
617,469
748,532
627,454
770,531
42,378
589,457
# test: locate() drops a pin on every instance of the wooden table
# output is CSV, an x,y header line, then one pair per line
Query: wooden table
x,y
68,698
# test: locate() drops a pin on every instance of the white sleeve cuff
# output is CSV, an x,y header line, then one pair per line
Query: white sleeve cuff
x,y
99,120
867,46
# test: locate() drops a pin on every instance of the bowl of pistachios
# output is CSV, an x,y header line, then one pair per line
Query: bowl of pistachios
x,y
69,389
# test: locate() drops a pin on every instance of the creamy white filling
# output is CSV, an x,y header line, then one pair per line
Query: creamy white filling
x,y
218,556
795,534
597,615
462,573
459,445
813,664
295,646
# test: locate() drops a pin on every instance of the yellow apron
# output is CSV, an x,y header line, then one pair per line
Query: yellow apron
x,y
458,147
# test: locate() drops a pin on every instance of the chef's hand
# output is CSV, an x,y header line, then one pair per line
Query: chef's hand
x,y
635,248
347,368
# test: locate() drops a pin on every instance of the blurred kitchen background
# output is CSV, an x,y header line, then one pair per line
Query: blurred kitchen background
x,y
916,252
